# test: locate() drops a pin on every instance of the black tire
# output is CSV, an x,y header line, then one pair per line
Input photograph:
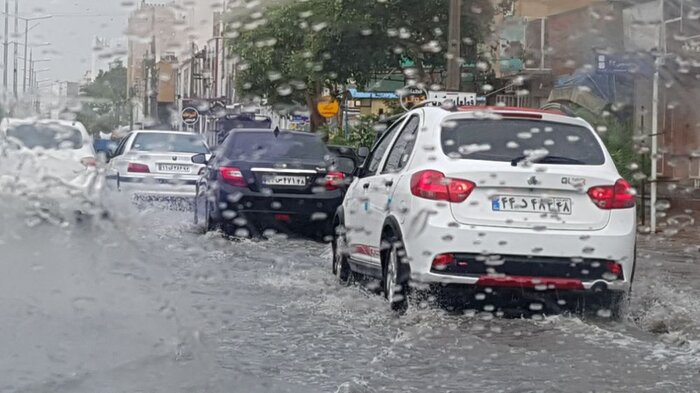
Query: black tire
x,y
395,274
340,265
206,224
196,208
210,224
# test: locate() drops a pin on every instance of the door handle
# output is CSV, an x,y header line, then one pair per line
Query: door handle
x,y
365,186
389,183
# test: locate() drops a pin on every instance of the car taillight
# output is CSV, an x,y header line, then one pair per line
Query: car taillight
x,y
434,185
619,196
615,269
88,161
138,168
233,176
334,180
441,261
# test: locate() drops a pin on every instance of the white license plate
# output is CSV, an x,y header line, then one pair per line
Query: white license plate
x,y
174,168
274,180
530,204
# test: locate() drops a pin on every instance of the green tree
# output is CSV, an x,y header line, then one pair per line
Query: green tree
x,y
104,100
299,48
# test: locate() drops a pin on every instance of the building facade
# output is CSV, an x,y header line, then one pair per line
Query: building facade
x,y
154,31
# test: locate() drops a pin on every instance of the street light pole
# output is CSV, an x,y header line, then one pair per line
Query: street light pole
x,y
16,44
454,72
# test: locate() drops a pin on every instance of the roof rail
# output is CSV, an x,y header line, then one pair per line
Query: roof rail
x,y
556,106
442,104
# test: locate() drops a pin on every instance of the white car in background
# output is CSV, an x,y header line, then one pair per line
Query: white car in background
x,y
490,201
48,155
155,165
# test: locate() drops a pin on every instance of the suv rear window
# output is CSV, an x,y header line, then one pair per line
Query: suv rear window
x,y
265,146
512,139
47,136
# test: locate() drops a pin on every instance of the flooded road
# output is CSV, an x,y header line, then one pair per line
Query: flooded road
x,y
142,302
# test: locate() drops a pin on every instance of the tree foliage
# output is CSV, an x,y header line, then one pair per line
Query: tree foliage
x,y
104,100
361,132
294,51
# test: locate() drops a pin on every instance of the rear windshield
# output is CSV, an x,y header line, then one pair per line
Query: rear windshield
x,y
166,142
514,139
265,146
47,136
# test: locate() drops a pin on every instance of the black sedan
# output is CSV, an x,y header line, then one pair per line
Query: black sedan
x,y
262,180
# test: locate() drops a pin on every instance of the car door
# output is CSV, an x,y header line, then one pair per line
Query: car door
x,y
385,181
117,161
359,212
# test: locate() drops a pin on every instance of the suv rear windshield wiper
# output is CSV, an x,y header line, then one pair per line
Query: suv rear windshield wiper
x,y
549,160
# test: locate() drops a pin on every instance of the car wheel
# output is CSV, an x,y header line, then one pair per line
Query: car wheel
x,y
340,266
395,275
196,207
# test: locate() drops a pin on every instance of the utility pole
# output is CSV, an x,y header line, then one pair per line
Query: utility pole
x,y
454,71
31,68
26,43
153,92
654,145
16,51
658,60
6,44
146,78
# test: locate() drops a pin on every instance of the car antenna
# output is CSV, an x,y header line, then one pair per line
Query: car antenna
x,y
276,132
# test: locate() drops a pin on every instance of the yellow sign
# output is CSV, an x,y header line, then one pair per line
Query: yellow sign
x,y
328,107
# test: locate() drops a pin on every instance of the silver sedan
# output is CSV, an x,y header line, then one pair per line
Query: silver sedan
x,y
157,164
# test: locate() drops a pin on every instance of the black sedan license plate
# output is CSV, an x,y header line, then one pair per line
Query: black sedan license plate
x,y
530,204
277,180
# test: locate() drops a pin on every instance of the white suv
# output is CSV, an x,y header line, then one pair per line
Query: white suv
x,y
488,199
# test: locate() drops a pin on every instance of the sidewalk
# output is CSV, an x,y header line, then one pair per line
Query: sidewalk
x,y
677,232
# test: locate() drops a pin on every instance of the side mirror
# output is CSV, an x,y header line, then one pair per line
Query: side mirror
x,y
359,170
200,158
106,153
363,152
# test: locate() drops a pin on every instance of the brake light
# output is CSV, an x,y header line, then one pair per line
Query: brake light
x,y
615,269
619,196
233,176
434,185
441,261
138,168
334,180
88,161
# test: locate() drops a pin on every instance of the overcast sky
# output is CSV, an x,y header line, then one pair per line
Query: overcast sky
x,y
72,29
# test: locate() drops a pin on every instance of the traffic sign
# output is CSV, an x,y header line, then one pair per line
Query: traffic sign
x,y
406,62
190,116
328,106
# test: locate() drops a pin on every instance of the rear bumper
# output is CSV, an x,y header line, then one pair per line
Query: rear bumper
x,y
318,206
543,255
153,187
535,283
